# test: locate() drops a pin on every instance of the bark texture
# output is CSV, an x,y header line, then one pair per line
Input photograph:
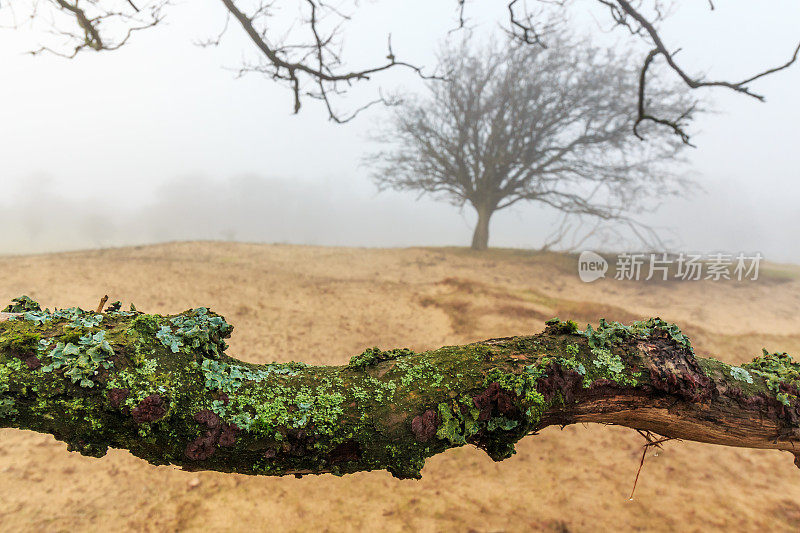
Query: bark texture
x,y
163,388
480,237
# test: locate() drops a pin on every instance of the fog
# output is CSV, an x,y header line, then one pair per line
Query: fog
x,y
248,209
160,142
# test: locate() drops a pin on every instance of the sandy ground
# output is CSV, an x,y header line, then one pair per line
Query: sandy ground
x,y
322,305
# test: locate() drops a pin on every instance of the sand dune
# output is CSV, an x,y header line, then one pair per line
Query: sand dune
x,y
322,305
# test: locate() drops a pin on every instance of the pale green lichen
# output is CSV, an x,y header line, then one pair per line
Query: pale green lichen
x,y
780,373
457,423
523,385
741,374
612,366
77,317
501,423
415,372
229,377
572,350
21,305
196,330
265,411
168,339
142,381
613,333
83,360
610,336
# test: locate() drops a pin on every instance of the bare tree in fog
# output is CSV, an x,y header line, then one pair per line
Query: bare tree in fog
x,y
518,123
306,54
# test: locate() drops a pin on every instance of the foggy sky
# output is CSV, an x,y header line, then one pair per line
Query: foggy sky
x,y
158,141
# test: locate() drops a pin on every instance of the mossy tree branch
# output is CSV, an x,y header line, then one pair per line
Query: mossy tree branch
x,y
163,388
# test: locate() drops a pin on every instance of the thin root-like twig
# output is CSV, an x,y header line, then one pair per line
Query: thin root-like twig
x,y
651,441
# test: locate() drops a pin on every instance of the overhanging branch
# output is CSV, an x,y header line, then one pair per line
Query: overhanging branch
x,y
676,125
630,16
162,388
318,65
105,25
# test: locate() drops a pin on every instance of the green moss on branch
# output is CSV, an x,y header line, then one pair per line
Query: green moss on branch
x,y
163,388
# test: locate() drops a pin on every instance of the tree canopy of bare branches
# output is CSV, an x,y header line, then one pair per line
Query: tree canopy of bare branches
x,y
517,123
311,61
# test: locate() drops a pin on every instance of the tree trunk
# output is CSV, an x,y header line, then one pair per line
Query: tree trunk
x,y
480,238
162,388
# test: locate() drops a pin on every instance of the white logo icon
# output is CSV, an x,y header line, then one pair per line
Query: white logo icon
x,y
591,266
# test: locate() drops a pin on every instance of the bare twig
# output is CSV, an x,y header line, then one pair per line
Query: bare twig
x,y
626,8
102,304
321,71
651,442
